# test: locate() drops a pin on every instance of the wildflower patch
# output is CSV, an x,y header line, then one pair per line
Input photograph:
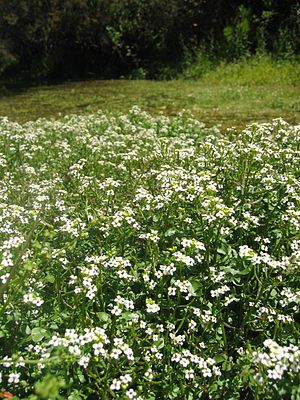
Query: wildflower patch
x,y
149,258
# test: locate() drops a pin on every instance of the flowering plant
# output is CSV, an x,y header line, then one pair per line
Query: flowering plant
x,y
149,258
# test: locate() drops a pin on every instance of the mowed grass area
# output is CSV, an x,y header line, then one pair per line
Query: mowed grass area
x,y
231,94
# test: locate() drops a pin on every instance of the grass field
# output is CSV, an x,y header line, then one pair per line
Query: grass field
x,y
229,95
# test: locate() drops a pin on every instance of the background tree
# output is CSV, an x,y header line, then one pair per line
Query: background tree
x,y
108,38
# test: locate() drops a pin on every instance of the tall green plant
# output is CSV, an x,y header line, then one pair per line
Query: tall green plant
x,y
237,34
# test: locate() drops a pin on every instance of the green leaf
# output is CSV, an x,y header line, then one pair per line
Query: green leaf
x,y
230,270
75,395
50,278
28,265
155,218
221,251
160,343
103,316
37,334
81,377
219,358
128,316
226,366
245,271
194,288
170,232
49,387
150,397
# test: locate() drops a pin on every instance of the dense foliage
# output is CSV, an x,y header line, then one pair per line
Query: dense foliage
x,y
149,258
109,38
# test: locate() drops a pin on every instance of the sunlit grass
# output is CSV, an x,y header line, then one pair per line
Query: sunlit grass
x,y
232,94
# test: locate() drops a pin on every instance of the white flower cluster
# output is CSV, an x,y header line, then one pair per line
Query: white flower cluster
x,y
188,243
187,260
194,364
157,232
278,360
33,298
205,316
152,236
121,303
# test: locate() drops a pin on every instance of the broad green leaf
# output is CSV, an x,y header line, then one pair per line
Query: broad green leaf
x,y
37,334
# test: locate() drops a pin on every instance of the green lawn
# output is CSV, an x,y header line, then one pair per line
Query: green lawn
x,y
232,94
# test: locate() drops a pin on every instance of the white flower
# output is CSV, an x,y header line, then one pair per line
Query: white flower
x,y
116,385
149,374
74,350
14,378
189,374
84,361
115,353
246,252
125,379
187,260
152,236
151,306
131,394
